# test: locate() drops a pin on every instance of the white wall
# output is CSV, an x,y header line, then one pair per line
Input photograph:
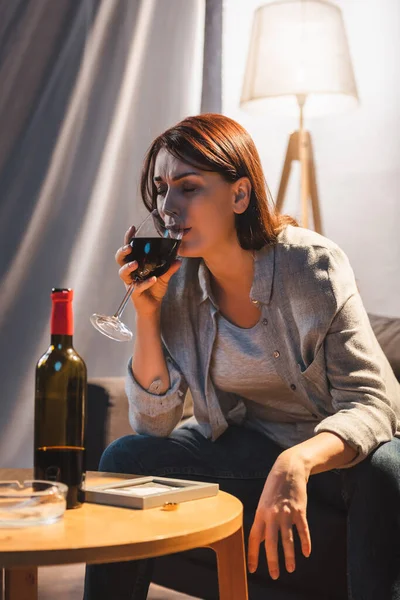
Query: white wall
x,y
357,154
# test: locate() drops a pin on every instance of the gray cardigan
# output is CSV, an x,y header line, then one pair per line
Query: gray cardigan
x,y
322,339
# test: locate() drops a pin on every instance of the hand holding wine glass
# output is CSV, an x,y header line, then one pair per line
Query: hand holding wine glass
x,y
148,260
146,296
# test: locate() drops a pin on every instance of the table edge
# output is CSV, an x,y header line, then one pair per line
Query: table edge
x,y
130,551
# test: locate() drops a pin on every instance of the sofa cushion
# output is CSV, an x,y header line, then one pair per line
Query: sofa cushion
x,y
108,416
117,423
387,331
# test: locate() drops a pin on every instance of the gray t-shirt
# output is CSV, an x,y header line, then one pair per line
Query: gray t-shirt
x,y
242,365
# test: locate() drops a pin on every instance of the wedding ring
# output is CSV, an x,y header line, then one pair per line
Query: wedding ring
x,y
170,506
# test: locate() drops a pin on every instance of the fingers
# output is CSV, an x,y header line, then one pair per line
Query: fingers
x,y
129,234
286,528
288,542
173,269
122,253
126,271
143,286
304,534
285,524
255,538
271,547
268,529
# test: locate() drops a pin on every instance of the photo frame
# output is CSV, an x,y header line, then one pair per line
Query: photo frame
x,y
148,492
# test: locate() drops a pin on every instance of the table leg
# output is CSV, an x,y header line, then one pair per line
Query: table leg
x,y
21,584
231,561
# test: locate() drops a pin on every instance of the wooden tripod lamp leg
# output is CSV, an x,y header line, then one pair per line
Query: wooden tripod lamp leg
x,y
314,191
291,155
304,176
300,148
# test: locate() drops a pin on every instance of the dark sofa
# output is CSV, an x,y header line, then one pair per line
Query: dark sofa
x,y
194,572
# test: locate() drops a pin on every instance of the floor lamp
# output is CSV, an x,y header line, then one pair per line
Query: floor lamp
x,y
299,63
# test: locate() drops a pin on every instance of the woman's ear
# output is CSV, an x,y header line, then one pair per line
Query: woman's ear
x,y
242,192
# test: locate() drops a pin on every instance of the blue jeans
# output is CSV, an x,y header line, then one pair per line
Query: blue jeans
x,y
239,461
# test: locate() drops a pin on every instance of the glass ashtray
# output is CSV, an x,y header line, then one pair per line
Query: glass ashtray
x,y
34,502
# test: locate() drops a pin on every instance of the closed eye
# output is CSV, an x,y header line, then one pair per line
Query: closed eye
x,y
187,190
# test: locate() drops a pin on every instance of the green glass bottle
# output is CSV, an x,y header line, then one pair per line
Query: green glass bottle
x,y
60,402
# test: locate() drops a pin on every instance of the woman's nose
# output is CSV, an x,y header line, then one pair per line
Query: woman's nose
x,y
169,206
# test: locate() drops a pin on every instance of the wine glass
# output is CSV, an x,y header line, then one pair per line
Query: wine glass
x,y
154,247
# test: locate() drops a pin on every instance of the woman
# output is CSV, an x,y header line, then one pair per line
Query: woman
x,y
263,321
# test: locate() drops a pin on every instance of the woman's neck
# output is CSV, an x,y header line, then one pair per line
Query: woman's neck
x,y
232,270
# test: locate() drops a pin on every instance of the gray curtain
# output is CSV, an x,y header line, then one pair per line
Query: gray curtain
x,y
211,94
85,87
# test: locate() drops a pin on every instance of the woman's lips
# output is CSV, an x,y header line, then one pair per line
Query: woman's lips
x,y
176,231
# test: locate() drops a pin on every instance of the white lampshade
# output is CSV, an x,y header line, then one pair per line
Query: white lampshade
x,y
299,47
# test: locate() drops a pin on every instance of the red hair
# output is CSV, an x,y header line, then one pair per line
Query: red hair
x,y
213,142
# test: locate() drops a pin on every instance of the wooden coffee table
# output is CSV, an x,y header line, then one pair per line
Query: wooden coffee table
x,y
99,534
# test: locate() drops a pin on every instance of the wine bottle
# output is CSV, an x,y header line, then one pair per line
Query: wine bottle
x,y
60,399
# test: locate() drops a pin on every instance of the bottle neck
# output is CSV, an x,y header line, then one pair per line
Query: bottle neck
x,y
62,322
61,341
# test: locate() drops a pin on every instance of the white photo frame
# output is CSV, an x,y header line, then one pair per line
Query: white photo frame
x,y
148,492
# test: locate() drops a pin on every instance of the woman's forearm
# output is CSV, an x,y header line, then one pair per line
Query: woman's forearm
x,y
323,452
148,361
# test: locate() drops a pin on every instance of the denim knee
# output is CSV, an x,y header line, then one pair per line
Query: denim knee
x,y
385,464
119,456
377,476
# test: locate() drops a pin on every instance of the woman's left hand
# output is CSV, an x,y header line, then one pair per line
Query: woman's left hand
x,y
282,505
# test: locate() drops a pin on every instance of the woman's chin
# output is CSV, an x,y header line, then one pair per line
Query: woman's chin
x,y
188,249
189,255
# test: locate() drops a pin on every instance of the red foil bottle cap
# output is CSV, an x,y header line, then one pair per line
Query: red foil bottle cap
x,y
62,294
62,322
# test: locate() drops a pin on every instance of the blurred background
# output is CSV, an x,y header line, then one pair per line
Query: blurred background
x,y
86,85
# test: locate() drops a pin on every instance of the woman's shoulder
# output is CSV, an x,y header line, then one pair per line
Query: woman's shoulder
x,y
310,261
292,237
307,247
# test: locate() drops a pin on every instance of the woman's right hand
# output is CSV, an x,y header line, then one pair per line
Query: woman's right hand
x,y
146,296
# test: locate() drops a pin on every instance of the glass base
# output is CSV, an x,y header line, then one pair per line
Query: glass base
x,y
29,521
112,327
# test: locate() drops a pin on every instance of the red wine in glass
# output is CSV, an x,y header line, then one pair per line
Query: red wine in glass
x,y
153,255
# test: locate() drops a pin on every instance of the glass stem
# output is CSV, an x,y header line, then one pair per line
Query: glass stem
x,y
124,302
